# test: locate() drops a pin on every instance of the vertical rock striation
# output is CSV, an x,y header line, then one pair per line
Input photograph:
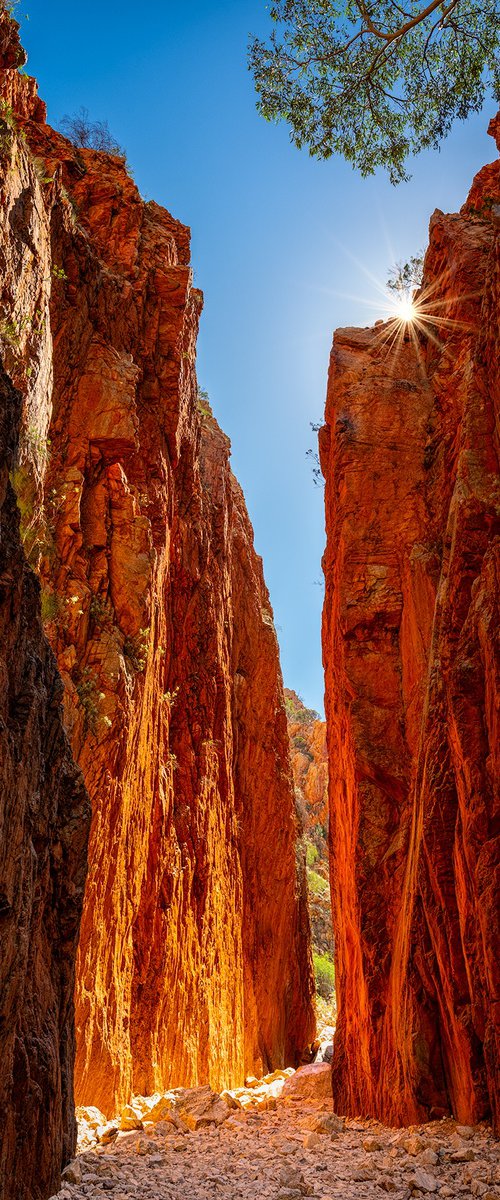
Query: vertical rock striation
x,y
308,752
194,959
410,452
44,821
44,808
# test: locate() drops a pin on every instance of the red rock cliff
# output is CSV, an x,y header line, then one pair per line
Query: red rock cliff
x,y
44,823
410,452
194,961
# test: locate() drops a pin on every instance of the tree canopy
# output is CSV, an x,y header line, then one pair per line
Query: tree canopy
x,y
377,81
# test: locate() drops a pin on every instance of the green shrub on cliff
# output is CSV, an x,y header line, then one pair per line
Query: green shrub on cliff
x,y
316,884
324,974
89,135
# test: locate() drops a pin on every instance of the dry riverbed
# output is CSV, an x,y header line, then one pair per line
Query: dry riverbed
x,y
194,1145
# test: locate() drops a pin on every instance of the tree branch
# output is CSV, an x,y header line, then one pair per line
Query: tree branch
x,y
416,20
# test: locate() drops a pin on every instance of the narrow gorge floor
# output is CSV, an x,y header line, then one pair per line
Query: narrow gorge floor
x,y
298,1149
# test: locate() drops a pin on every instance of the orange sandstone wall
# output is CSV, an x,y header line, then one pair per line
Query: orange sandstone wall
x,y
309,755
410,452
194,959
44,809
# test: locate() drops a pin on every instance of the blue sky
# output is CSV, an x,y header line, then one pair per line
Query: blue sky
x,y
285,248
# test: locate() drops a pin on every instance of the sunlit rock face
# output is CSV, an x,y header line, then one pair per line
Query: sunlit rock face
x,y
44,824
194,961
307,733
410,452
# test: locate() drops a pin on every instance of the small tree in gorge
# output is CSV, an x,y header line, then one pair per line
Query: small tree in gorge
x,y
406,277
91,135
376,81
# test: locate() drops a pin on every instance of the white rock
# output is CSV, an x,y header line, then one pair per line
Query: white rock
x,y
92,1117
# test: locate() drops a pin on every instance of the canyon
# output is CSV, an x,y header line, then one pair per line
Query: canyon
x,y
410,453
169,813
194,963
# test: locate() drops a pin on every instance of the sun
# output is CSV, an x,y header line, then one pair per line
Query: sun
x,y
406,309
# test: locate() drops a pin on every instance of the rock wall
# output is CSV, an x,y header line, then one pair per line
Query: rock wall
x,y
410,452
44,823
194,961
308,753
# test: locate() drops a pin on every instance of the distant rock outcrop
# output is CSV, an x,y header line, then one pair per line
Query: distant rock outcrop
x,y
308,752
410,451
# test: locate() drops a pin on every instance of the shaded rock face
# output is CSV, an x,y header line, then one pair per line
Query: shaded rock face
x,y
410,452
44,822
44,825
194,960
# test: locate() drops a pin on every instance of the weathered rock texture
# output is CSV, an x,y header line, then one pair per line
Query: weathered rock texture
x,y
44,823
194,962
308,753
410,451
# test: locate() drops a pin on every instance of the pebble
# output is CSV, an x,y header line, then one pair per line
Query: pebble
x,y
295,1151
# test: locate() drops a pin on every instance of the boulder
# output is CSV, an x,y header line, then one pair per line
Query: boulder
x,y
313,1082
200,1106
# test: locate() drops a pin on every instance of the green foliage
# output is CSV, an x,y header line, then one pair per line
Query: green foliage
x,y
41,170
324,974
404,278
35,535
300,744
297,712
71,201
11,330
375,82
316,884
10,334
59,273
7,116
51,606
89,698
136,650
312,854
99,612
203,403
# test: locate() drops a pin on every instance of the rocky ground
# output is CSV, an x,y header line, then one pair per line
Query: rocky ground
x,y
195,1145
